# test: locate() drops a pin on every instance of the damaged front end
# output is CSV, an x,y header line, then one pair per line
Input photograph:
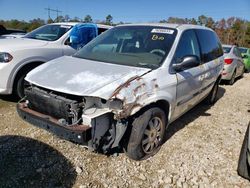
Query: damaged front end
x,y
85,120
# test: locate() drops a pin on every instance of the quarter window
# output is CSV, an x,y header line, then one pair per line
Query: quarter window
x,y
237,52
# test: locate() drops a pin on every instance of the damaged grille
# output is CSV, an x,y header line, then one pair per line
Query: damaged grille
x,y
49,103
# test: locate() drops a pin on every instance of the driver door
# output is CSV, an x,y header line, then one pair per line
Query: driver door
x,y
189,81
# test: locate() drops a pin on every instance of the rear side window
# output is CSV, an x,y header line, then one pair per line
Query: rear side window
x,y
226,50
188,45
237,52
210,45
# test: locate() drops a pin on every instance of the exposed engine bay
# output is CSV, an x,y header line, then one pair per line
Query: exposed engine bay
x,y
74,112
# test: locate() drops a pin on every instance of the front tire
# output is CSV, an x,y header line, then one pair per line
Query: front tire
x,y
19,86
147,134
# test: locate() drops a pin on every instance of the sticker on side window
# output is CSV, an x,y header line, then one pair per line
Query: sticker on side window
x,y
65,26
165,31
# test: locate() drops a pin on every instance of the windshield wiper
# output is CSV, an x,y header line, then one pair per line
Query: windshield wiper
x,y
151,66
30,37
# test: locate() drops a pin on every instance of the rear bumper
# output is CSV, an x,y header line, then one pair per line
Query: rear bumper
x,y
79,134
227,72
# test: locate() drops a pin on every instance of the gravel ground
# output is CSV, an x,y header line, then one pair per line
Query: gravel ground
x,y
201,150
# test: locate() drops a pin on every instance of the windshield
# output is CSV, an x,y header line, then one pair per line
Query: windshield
x,y
243,50
226,49
49,32
140,46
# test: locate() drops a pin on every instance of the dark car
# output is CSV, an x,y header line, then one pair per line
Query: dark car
x,y
4,31
244,160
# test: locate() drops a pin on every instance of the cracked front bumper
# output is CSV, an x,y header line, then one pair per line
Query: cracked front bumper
x,y
79,134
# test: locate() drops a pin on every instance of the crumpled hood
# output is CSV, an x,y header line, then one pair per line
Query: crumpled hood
x,y
82,77
7,45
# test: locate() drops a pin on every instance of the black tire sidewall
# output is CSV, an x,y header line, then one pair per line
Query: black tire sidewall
x,y
231,82
210,100
243,166
19,87
134,148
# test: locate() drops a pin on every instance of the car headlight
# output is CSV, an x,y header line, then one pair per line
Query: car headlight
x,y
5,57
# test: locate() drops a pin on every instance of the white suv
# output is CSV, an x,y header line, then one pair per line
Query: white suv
x,y
125,86
20,55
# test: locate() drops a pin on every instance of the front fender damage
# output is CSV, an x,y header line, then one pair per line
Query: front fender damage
x,y
134,94
107,120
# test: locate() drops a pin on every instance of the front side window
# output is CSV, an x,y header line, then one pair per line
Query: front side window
x,y
188,45
49,32
140,46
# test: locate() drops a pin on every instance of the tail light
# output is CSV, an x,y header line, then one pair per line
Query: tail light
x,y
228,61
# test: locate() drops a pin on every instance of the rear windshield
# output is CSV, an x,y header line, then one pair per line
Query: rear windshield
x,y
226,50
139,46
243,50
49,32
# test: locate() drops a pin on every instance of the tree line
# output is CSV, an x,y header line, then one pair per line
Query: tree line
x,y
232,30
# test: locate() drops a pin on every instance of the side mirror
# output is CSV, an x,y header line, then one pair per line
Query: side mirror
x,y
67,42
187,62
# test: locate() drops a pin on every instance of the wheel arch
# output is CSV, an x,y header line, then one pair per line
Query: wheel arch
x,y
22,70
161,103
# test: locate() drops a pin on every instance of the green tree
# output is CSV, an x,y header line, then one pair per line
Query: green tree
x,y
193,21
210,23
66,18
247,35
176,20
35,23
50,21
60,19
87,19
75,19
109,19
202,20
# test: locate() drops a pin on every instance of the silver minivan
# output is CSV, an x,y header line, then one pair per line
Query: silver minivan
x,y
126,86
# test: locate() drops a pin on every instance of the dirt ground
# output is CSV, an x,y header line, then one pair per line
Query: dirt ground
x,y
201,150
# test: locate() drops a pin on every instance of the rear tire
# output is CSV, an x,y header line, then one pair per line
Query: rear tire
x,y
147,134
212,97
232,81
243,71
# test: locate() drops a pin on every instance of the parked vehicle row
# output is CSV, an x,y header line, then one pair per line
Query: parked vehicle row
x,y
19,56
5,32
119,89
